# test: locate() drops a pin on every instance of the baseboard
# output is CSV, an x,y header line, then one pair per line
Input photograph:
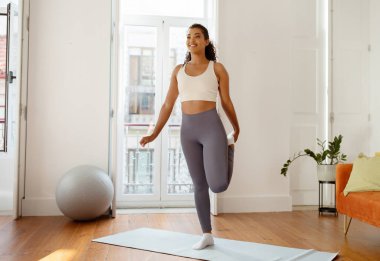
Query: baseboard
x,y
226,204
6,212
40,207
265,203
304,207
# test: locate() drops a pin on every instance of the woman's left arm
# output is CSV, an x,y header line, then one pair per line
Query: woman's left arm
x,y
228,107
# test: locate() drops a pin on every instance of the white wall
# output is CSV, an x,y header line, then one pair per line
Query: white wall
x,y
374,75
68,95
254,45
350,76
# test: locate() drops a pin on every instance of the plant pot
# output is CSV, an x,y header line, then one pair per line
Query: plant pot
x,y
326,172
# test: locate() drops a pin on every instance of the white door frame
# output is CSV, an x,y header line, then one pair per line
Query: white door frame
x,y
158,199
117,102
22,77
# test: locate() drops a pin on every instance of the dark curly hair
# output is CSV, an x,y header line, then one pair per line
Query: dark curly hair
x,y
210,48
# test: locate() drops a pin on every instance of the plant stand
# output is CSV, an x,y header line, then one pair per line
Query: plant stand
x,y
324,209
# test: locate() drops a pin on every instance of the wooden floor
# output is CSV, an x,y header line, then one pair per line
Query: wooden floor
x,y
58,238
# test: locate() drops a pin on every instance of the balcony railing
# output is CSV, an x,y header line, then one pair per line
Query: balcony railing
x,y
139,162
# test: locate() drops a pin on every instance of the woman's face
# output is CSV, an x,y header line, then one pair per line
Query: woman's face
x,y
196,41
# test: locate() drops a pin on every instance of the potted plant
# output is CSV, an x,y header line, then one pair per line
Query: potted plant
x,y
326,159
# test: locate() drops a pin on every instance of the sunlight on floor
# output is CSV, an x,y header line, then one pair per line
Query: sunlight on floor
x,y
60,254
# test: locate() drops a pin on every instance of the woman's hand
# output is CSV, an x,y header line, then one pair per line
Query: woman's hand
x,y
146,139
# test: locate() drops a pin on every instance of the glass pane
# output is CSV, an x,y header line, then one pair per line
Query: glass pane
x,y
179,181
165,8
177,54
139,62
3,47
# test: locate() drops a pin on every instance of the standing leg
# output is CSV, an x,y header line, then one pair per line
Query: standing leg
x,y
194,158
193,152
197,140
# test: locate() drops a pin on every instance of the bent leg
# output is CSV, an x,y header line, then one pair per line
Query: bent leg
x,y
218,161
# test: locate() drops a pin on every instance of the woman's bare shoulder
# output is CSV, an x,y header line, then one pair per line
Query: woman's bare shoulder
x,y
178,66
176,69
219,68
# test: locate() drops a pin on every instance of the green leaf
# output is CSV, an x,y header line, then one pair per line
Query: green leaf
x,y
332,153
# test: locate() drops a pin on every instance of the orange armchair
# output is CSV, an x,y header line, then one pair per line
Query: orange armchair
x,y
364,206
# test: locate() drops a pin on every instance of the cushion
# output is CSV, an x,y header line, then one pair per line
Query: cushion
x,y
364,206
365,175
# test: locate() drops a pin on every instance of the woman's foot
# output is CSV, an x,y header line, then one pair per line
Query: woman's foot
x,y
207,240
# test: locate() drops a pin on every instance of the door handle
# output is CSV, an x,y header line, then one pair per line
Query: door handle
x,y
11,77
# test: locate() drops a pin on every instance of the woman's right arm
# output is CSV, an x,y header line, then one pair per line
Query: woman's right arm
x,y
166,108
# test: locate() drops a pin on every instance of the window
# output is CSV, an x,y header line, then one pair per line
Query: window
x,y
152,43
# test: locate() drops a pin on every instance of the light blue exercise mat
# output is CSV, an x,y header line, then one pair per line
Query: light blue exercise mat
x,y
180,244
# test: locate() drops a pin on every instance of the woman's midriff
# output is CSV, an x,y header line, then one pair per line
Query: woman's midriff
x,y
193,107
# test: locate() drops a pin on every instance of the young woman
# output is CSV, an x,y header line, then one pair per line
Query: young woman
x,y
208,151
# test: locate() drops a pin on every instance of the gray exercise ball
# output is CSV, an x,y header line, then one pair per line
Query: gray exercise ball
x,y
84,192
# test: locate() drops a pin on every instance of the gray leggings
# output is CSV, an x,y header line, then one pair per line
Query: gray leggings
x,y
209,159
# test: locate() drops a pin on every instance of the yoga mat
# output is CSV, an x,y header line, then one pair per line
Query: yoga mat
x,y
180,244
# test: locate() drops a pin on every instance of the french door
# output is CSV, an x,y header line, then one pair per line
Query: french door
x,y
9,106
156,175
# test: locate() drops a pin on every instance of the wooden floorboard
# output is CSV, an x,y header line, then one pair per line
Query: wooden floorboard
x,y
59,238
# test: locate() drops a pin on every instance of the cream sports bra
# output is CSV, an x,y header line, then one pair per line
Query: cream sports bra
x,y
201,87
